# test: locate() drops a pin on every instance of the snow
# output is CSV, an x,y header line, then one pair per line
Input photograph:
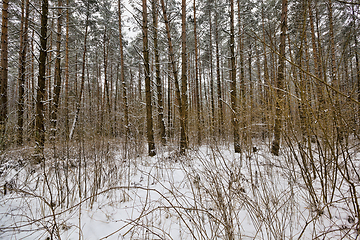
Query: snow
x,y
210,193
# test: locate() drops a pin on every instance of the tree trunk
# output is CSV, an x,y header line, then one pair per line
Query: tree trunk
x,y
317,65
242,96
4,71
357,66
122,79
79,97
22,68
173,64
149,120
212,116
57,87
158,78
107,105
334,78
66,97
267,88
197,91
275,148
184,101
233,91
40,97
218,76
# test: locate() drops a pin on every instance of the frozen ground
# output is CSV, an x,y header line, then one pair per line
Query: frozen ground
x,y
211,193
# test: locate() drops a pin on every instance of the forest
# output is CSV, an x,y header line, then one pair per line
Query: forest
x,y
169,119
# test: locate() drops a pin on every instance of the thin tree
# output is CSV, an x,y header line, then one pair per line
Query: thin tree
x,y
4,69
197,91
267,88
218,76
357,64
242,96
334,78
149,119
212,116
40,97
79,97
57,86
106,95
275,147
317,64
172,62
233,92
158,78
184,99
122,79
66,97
22,67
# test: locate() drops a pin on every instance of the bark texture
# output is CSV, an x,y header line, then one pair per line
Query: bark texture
x,y
279,103
149,119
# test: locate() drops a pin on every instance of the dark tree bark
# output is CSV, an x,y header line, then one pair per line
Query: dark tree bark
x,y
267,88
334,78
212,116
233,90
22,68
79,97
106,102
184,98
40,97
57,87
173,63
66,97
122,79
149,119
197,88
4,70
158,78
280,83
218,76
357,66
317,64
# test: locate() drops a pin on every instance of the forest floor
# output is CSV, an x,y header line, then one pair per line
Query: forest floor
x,y
211,193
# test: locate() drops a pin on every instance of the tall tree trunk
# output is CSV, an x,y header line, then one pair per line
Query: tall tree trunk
x,y
40,97
334,78
66,97
233,92
79,97
22,68
173,64
169,104
49,67
4,71
301,79
248,114
57,87
242,95
317,65
122,79
149,119
275,148
212,116
197,88
218,76
357,66
161,121
106,103
184,98
31,86
268,87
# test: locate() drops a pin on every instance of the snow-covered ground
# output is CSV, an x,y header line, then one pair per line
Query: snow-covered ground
x,y
211,193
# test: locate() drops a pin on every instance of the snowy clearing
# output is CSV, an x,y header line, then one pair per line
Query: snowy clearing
x,y
211,193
